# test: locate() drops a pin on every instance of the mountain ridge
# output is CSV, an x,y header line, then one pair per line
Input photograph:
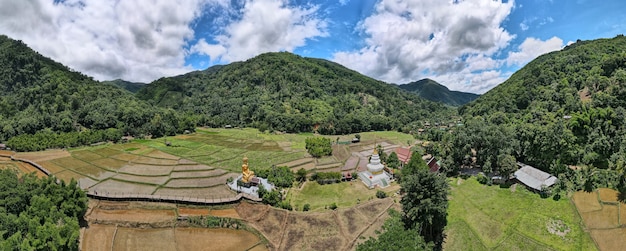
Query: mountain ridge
x,y
433,91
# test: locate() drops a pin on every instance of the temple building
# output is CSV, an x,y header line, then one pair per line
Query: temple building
x,y
375,176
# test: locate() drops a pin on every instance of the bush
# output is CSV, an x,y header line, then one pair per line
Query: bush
x,y
380,194
483,179
306,207
285,205
333,206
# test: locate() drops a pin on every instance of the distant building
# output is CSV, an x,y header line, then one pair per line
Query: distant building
x,y
433,165
533,177
3,147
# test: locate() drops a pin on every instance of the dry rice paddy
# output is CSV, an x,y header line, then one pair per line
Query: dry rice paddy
x,y
603,216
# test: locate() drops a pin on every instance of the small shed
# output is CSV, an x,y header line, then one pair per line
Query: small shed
x,y
533,177
3,146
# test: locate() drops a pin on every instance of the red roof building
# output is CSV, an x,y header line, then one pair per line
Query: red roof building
x,y
404,154
433,165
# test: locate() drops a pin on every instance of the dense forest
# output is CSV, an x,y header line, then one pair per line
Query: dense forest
x,y
39,214
286,92
38,94
565,108
433,91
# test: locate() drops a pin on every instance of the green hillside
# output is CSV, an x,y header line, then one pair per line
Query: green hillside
x,y
286,92
433,91
40,95
563,108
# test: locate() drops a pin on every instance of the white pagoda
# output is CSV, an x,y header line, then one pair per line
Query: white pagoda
x,y
375,176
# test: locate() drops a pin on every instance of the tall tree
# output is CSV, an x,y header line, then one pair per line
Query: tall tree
x,y
425,204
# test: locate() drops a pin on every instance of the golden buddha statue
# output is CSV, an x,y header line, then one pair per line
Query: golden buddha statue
x,y
247,174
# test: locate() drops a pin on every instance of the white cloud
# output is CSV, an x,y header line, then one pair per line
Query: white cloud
x,y
343,2
265,26
135,40
523,26
532,48
411,39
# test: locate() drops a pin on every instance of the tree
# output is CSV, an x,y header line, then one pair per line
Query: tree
x,y
393,161
318,146
301,175
395,237
425,204
507,165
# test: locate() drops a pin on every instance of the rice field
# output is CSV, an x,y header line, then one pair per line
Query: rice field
x,y
604,216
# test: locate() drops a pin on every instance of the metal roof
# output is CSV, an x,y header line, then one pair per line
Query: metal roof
x,y
534,177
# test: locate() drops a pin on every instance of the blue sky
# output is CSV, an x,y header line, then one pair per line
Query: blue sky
x,y
470,45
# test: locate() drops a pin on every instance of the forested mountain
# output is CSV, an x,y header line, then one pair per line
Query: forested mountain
x,y
129,86
40,95
286,92
563,108
433,91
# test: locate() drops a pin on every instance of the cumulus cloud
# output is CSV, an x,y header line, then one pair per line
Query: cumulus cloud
x,y
532,48
264,26
411,39
135,40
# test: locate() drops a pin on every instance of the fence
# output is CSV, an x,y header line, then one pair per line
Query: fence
x,y
104,195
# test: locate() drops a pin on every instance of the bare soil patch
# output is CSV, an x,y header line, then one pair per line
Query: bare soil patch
x,y
98,237
230,213
318,231
352,220
610,239
53,168
606,218
28,168
200,182
132,239
209,193
185,211
43,155
251,211
132,215
270,225
586,202
215,239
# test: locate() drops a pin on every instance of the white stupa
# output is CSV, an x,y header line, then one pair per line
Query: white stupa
x,y
375,176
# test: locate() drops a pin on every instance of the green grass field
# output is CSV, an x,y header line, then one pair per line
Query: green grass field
x,y
492,218
344,194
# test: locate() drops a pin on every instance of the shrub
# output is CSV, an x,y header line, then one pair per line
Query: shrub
x,y
380,194
306,207
333,206
483,179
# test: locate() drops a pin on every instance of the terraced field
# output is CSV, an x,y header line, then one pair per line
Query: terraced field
x,y
195,164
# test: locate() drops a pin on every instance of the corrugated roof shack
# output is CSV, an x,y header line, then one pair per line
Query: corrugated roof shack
x,y
533,177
